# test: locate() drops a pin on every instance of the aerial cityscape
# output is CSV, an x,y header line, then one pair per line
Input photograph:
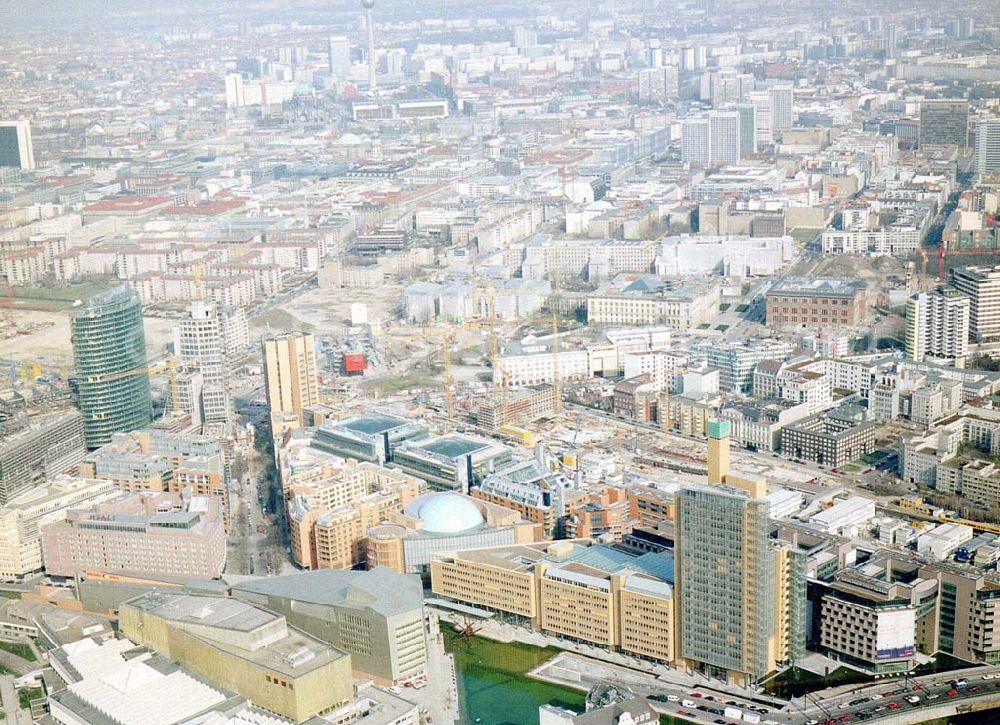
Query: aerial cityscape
x,y
370,362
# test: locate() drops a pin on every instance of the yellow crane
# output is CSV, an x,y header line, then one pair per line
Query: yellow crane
x,y
168,366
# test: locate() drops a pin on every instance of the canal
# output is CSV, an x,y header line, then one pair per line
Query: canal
x,y
494,689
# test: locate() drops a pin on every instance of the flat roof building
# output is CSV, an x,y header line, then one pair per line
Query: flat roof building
x,y
146,533
49,445
452,462
816,301
376,615
242,648
370,437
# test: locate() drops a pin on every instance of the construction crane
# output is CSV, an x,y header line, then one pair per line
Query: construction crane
x,y
449,394
199,290
169,366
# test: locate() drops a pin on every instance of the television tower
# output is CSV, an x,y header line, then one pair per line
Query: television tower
x,y
370,24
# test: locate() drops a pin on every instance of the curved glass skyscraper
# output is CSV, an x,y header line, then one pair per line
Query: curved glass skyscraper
x,y
109,350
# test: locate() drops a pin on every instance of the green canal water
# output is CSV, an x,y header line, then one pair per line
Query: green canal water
x,y
494,689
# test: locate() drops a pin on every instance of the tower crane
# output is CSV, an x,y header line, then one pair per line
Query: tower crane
x,y
169,366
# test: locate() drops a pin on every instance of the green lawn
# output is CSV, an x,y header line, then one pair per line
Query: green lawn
x,y
20,649
26,696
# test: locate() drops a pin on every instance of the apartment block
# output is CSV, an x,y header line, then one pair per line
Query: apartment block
x,y
48,445
22,519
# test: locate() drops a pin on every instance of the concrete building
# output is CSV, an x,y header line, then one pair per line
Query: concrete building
x,y
371,437
377,616
944,121
453,462
941,541
109,353
828,439
817,302
200,344
982,286
16,149
588,592
528,487
988,148
22,518
937,326
290,373
740,598
49,445
632,299
242,648
143,533
870,622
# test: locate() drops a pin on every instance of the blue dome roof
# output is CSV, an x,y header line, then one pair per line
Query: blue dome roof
x,y
446,513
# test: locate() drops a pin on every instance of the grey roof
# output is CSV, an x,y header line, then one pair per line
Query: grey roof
x,y
380,589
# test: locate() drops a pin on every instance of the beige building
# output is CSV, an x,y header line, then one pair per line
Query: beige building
x,y
329,519
588,592
290,373
21,520
242,648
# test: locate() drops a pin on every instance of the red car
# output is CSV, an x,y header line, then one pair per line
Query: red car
x,y
952,692
695,694
845,718
893,705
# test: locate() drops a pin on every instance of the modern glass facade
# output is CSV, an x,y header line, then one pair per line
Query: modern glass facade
x,y
109,351
726,566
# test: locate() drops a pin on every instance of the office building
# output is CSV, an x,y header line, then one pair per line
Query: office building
x,y
762,103
944,121
200,345
982,286
237,646
828,439
140,533
290,374
371,437
109,353
817,301
453,462
695,141
22,518
15,145
988,148
339,51
748,129
711,140
782,107
937,325
740,597
329,519
601,595
49,445
377,616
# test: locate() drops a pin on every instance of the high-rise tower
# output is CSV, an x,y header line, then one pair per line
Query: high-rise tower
x,y
370,27
290,374
739,594
109,351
